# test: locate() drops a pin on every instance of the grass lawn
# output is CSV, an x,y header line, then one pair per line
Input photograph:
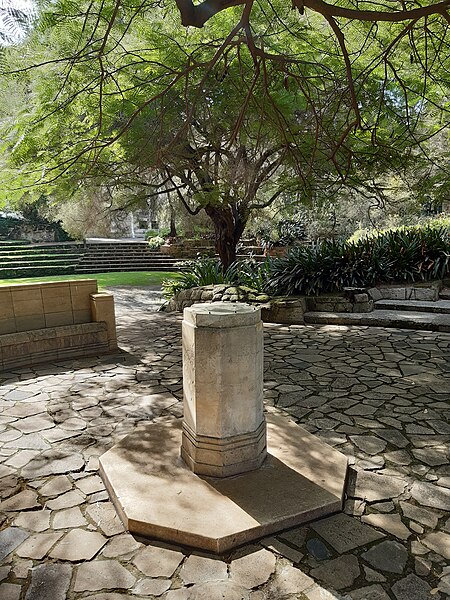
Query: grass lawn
x,y
136,278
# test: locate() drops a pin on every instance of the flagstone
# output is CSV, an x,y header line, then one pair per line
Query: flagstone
x,y
254,569
412,588
431,495
24,500
121,545
338,573
438,542
10,591
103,574
10,538
37,546
70,517
345,533
105,517
56,486
34,520
49,580
387,556
154,561
78,545
391,523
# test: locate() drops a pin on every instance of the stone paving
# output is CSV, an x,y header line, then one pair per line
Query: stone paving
x,y
381,396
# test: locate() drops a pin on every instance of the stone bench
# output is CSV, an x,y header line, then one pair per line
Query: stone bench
x,y
40,322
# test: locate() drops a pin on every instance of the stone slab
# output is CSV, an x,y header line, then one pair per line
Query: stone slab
x,y
157,496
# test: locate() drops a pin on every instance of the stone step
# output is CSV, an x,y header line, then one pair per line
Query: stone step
x,y
439,306
383,318
103,269
444,294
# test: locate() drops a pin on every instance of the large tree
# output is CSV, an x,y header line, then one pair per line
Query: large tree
x,y
256,101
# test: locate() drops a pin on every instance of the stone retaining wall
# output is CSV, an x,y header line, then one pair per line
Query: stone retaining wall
x,y
290,310
46,321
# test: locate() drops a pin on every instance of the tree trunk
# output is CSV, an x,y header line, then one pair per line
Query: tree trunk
x,y
229,226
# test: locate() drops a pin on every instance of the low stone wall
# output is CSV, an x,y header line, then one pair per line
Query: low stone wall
x,y
214,293
425,291
46,321
291,309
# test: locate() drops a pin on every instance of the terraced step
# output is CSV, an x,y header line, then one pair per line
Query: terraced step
x,y
110,269
444,294
425,306
28,271
384,318
34,258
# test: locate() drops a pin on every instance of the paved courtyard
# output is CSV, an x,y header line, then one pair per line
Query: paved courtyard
x,y
380,396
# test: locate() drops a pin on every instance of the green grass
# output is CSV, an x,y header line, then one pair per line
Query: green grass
x,y
132,278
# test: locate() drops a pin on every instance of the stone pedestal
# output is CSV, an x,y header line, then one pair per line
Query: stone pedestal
x,y
224,429
192,499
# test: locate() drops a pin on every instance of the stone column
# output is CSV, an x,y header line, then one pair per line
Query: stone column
x,y
102,309
224,429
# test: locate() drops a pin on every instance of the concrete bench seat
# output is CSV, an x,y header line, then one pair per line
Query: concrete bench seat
x,y
55,320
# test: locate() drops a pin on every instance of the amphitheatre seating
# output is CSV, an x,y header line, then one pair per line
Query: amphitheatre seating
x,y
40,322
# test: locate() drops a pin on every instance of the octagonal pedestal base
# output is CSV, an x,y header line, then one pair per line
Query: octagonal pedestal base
x,y
157,496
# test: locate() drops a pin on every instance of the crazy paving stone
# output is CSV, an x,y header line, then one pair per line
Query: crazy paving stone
x,y
432,456
34,423
372,487
428,494
391,523
21,501
295,536
368,443
372,575
49,580
103,574
383,507
157,562
289,580
67,500
56,486
372,592
92,484
209,591
387,556
254,569
344,533
317,549
10,591
412,588
70,517
152,587
37,546
121,545
10,538
105,517
22,567
197,569
439,542
21,458
339,573
78,545
32,441
276,545
52,462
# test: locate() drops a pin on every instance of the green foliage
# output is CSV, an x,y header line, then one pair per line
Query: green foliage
x,y
403,255
208,271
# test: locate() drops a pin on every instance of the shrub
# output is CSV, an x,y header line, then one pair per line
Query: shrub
x,y
155,242
407,254
208,271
